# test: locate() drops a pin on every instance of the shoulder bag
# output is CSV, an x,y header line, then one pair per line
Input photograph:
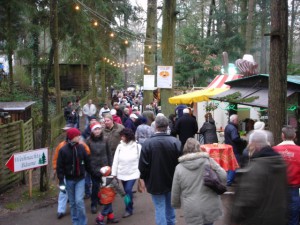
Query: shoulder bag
x,y
212,180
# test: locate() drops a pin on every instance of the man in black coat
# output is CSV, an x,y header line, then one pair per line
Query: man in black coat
x,y
158,159
232,137
186,126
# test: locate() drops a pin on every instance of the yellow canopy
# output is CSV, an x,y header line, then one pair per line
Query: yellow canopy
x,y
196,96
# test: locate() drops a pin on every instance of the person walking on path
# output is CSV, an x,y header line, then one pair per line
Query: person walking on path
x,y
89,109
143,131
261,192
103,110
111,133
125,165
209,130
100,157
186,126
62,196
200,204
115,117
130,122
232,137
72,162
159,157
291,154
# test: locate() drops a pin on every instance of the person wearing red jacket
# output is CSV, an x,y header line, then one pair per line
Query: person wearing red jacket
x,y
291,154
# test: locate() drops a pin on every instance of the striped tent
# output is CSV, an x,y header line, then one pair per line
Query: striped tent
x,y
217,86
219,81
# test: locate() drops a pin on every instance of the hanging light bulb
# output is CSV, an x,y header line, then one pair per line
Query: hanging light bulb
x,y
77,7
112,35
95,23
149,46
126,42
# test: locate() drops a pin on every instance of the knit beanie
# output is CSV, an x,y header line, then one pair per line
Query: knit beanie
x,y
73,132
95,125
259,125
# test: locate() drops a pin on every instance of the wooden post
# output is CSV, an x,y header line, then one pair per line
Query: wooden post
x,y
30,183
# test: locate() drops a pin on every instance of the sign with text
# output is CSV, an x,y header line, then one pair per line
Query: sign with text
x,y
164,76
28,160
149,82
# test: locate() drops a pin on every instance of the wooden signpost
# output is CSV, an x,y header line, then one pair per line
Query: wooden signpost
x,y
27,161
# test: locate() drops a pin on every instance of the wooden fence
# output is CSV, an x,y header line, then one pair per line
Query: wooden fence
x,y
14,137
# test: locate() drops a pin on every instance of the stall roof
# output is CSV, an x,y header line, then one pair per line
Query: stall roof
x,y
14,106
215,87
220,80
196,96
262,93
260,89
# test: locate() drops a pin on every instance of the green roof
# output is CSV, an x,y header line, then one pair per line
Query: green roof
x,y
290,78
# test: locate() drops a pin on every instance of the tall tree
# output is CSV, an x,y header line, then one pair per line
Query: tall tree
x,y
168,50
11,13
151,40
278,67
250,26
54,38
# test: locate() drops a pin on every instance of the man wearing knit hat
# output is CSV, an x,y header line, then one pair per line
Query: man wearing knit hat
x,y
62,196
130,123
72,163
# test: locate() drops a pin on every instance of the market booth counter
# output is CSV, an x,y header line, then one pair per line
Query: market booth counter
x,y
222,154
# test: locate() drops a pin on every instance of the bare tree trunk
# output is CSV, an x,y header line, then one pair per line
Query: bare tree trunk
x,y
244,14
56,61
278,67
250,25
10,49
228,22
35,48
211,10
263,58
150,53
292,28
168,51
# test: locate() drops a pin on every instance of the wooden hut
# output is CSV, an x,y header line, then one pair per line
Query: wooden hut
x,y
74,76
14,111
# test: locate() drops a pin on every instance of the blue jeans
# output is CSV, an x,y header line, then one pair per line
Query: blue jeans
x,y
87,121
294,206
87,187
75,190
128,185
95,189
164,212
231,173
107,209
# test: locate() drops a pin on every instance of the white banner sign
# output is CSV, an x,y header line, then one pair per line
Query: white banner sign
x,y
164,76
149,81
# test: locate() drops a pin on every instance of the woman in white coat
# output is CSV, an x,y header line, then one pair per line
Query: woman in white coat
x,y
201,205
125,165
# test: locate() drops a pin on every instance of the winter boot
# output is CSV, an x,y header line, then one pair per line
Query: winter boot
x,y
100,219
111,218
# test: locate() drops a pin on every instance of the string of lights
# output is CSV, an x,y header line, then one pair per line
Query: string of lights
x,y
119,29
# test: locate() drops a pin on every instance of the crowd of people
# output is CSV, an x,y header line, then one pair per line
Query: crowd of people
x,y
163,156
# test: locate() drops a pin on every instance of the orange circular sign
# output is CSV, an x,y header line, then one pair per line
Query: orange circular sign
x,y
164,73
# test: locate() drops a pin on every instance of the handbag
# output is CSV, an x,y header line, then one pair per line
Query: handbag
x,y
212,180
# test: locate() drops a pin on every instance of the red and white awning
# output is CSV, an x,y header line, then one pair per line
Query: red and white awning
x,y
219,81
